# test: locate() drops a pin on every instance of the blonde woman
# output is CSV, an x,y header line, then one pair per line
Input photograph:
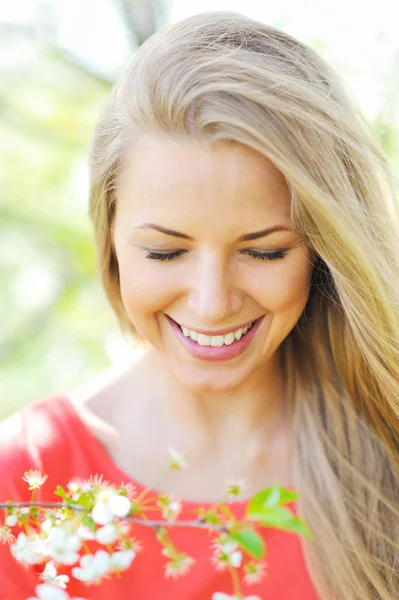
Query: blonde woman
x,y
246,225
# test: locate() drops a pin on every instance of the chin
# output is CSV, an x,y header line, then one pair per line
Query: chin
x,y
205,381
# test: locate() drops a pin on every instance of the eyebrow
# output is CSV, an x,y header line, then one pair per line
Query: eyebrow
x,y
243,238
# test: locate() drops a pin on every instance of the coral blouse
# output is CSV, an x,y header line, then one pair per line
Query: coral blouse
x,y
50,436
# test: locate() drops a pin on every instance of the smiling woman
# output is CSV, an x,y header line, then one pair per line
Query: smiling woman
x,y
215,281
246,224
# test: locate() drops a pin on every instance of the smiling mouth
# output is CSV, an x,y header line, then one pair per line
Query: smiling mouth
x,y
217,347
221,332
217,339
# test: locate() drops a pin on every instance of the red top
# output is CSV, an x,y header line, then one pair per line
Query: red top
x,y
51,437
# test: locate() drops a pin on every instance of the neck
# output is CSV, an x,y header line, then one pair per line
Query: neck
x,y
241,420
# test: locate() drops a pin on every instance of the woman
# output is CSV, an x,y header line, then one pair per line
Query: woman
x,y
246,224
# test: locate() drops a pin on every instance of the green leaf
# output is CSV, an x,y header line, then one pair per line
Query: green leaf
x,y
88,522
85,499
270,497
281,518
250,541
61,492
287,496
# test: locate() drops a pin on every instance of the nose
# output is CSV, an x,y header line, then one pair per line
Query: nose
x,y
214,294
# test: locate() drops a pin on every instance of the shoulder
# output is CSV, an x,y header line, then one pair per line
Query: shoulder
x,y
31,438
60,434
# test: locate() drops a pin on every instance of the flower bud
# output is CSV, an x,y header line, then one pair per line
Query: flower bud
x,y
11,520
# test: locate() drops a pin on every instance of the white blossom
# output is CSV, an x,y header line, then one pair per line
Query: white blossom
x,y
47,591
102,514
107,534
97,481
28,550
129,488
85,533
222,561
122,559
109,505
63,546
78,486
120,505
171,508
235,487
47,525
35,479
254,572
92,567
178,566
11,520
226,553
134,544
235,558
50,575
74,485
227,547
6,535
124,527
175,508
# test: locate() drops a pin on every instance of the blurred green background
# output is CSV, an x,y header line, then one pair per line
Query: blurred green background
x,y
58,61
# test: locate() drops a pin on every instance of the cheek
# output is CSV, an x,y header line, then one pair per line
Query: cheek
x,y
285,288
145,288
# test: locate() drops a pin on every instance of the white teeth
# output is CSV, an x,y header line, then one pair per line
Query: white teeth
x,y
216,340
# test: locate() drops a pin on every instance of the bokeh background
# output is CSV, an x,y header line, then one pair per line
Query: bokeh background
x,y
58,61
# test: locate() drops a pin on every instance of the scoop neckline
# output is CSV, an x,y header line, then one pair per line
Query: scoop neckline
x,y
111,466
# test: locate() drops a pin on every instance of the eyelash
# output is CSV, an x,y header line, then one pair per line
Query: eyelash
x,y
278,254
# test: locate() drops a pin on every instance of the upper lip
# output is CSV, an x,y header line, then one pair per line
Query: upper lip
x,y
218,331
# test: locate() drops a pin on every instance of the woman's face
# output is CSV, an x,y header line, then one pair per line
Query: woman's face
x,y
207,199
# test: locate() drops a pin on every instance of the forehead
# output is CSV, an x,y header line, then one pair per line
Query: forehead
x,y
167,176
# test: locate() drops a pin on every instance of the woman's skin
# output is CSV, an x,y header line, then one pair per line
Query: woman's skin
x,y
227,417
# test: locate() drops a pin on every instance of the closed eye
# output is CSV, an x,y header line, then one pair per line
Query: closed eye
x,y
257,254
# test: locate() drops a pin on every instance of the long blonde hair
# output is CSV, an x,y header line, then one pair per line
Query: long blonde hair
x,y
222,76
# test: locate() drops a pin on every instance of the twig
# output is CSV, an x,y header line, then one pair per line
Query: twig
x,y
147,523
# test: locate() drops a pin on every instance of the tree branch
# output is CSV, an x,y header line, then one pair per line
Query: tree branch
x,y
145,522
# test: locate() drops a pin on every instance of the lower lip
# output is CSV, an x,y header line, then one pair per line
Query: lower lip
x,y
214,352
